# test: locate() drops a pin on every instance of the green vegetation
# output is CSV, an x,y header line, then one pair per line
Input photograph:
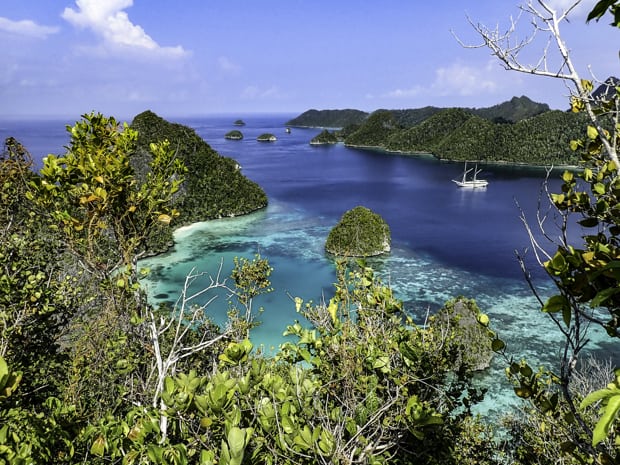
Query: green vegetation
x,y
214,186
517,131
234,135
512,111
375,131
266,137
328,118
359,233
458,134
571,414
91,373
323,138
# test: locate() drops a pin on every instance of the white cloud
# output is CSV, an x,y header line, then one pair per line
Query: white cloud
x,y
465,80
455,80
228,66
107,19
27,28
255,93
406,93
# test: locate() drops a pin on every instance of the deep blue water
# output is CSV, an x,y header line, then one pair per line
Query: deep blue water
x,y
446,241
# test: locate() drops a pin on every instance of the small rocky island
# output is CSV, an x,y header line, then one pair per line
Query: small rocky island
x,y
239,122
267,137
359,233
324,138
234,135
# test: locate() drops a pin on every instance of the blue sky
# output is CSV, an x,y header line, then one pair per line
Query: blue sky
x,y
197,57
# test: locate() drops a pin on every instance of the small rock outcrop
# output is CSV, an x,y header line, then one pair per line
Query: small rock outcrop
x,y
359,233
234,135
267,137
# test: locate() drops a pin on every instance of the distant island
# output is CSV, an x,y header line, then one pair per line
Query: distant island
x,y
324,138
234,135
239,122
328,118
266,137
517,131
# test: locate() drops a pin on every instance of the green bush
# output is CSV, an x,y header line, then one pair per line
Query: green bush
x,y
359,233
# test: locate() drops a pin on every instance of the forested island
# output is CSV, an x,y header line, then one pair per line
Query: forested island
x,y
234,135
328,118
267,137
214,186
517,131
359,233
325,137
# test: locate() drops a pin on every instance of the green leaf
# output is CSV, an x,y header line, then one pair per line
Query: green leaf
x,y
304,438
98,447
603,295
497,345
567,315
601,430
236,439
589,222
599,9
592,132
555,304
155,453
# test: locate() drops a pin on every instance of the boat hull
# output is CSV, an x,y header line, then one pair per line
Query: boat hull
x,y
477,184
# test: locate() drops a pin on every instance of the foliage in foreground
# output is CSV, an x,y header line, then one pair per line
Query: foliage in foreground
x,y
568,420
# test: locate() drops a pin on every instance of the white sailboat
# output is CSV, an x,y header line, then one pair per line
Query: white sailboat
x,y
471,183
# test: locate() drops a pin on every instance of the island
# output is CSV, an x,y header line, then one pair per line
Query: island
x,y
234,135
239,122
328,118
266,137
214,186
518,131
359,233
324,138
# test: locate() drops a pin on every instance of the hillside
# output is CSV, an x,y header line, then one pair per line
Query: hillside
x,y
328,118
460,134
512,111
214,185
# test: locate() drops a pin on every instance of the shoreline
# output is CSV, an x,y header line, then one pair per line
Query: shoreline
x,y
190,227
447,160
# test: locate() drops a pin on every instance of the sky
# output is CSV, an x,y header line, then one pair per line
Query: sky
x,y
201,57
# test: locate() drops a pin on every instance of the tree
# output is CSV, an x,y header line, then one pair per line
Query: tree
x,y
37,294
547,21
586,276
103,215
604,6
